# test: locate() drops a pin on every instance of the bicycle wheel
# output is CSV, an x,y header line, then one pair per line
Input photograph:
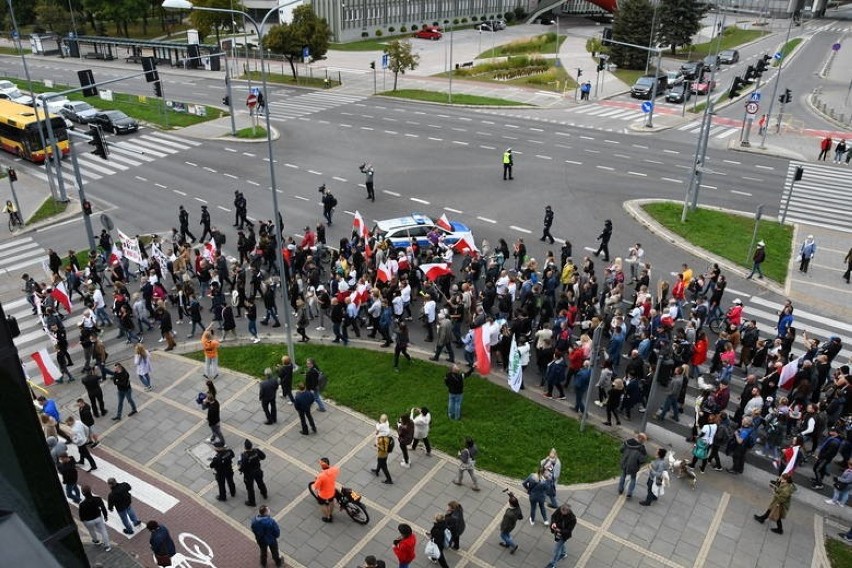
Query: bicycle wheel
x,y
12,225
716,325
357,512
311,489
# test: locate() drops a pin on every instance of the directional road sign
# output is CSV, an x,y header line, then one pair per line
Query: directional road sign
x,y
836,47
385,60
647,106
778,55
752,107
755,97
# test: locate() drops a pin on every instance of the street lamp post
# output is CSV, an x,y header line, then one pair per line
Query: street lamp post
x,y
258,27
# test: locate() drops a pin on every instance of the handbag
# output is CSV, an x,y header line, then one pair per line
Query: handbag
x,y
163,559
841,486
432,551
701,449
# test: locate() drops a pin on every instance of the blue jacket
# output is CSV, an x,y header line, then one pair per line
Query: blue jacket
x,y
556,371
161,542
51,409
537,489
265,529
582,378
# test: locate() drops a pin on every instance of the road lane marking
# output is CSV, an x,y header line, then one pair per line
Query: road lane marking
x,y
745,193
340,179
543,157
520,229
417,200
389,192
752,178
316,173
179,192
486,219
574,162
672,180
637,174
225,209
232,176
451,210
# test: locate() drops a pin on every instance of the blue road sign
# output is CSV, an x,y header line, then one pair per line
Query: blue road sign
x,y
15,34
836,47
255,91
755,97
306,52
385,60
647,106
778,56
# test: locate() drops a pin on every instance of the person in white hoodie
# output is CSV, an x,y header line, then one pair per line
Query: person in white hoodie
x,y
80,438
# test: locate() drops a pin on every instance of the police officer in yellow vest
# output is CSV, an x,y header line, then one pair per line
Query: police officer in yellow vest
x,y
507,164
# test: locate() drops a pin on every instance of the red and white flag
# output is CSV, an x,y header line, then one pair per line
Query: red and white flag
x,y
791,456
482,349
465,243
61,295
50,373
435,270
444,223
383,274
359,226
788,373
115,254
210,249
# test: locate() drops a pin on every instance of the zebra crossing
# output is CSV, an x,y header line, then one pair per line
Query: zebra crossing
x,y
310,103
124,153
719,131
821,198
19,255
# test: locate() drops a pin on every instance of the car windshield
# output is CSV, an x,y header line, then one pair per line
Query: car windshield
x,y
644,81
116,115
79,107
727,53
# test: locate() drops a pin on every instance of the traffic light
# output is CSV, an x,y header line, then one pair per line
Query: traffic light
x,y
601,64
760,68
750,74
149,66
788,96
87,207
372,64
87,81
13,175
607,35
737,85
99,142
579,72
158,89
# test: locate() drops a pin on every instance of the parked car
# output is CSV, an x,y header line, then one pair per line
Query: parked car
x,y
16,96
692,69
702,86
712,62
498,24
486,27
54,103
78,111
417,226
674,78
678,93
115,121
729,56
644,86
429,33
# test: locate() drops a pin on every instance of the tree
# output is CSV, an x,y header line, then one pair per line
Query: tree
x,y
207,22
400,58
632,24
678,21
306,30
53,16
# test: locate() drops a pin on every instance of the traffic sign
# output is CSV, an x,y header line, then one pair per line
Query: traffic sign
x,y
251,100
836,47
778,55
647,107
385,60
755,97
752,107
306,52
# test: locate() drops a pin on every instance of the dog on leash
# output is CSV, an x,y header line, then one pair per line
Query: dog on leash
x,y
682,469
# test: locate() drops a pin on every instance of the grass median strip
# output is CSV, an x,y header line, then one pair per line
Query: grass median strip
x,y
729,235
513,433
458,98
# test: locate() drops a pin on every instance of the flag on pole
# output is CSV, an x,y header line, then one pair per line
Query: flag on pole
x,y
482,348
209,250
384,272
444,223
61,295
435,270
49,371
788,373
516,372
465,243
791,457
359,226
115,254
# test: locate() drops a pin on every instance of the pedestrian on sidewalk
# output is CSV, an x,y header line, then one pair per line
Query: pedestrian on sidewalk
x,y
370,561
405,546
210,345
383,449
536,486
68,470
757,259
214,420
806,253
223,466
266,533
562,523
508,162
438,535
824,148
119,499
121,380
303,401
325,488
551,465
467,463
848,259
166,329
842,487
86,417
780,504
839,150
633,456
268,388
142,359
422,420
761,125
285,379
367,170
454,381
249,465
444,338
548,223
658,477
510,519
94,515
161,543
455,522
405,436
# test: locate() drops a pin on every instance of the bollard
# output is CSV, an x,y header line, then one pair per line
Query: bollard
x,y
831,113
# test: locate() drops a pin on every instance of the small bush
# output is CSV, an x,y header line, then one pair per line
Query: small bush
x,y
434,24
403,29
379,33
365,34
520,13
455,21
391,29
509,17
464,20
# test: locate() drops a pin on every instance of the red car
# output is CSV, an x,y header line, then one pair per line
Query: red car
x,y
702,87
429,33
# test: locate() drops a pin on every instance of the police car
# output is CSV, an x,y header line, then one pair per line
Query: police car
x,y
400,231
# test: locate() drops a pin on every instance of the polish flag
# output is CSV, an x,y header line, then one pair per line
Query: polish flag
x,y
49,371
788,373
362,293
359,227
444,223
465,243
61,295
368,252
209,250
435,270
791,457
115,254
482,349
384,272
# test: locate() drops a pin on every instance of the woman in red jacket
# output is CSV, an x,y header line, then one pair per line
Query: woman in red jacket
x,y
404,546
699,353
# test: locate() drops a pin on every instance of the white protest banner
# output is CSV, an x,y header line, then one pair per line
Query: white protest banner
x,y
130,248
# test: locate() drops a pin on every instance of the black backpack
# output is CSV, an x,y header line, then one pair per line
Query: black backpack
x,y
391,444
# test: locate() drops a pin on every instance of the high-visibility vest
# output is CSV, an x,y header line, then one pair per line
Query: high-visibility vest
x,y
507,157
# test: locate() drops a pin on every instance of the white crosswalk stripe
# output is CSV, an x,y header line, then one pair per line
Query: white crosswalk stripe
x,y
717,131
125,153
311,103
821,198
19,254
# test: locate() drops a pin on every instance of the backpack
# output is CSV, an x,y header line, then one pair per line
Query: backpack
x,y
391,444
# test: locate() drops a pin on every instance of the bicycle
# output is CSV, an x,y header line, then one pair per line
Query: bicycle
x,y
15,222
348,500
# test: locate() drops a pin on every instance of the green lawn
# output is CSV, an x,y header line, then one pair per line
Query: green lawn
x,y
732,38
316,82
728,235
787,49
530,71
252,132
512,433
368,44
458,98
48,208
628,76
543,44
839,553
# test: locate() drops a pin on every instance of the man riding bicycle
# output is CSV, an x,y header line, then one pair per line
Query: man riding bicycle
x,y
325,488
14,216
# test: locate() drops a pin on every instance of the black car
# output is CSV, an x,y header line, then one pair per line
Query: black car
x,y
729,56
692,69
678,94
115,121
712,62
644,86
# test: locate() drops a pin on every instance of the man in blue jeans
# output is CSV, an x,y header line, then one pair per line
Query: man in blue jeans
x,y
455,385
119,499
633,455
672,391
562,523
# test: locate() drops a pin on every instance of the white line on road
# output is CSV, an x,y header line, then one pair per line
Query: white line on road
x,y
179,192
342,125
747,194
672,180
200,200
140,178
248,181
543,157
367,128
161,186
451,210
587,137
640,146
316,173
460,143
249,154
709,186
486,219
225,209
407,135
432,138
637,174
209,169
764,167
652,161
611,141
231,150
607,168
484,147
293,166
590,151
418,200
671,151
752,178
300,198
574,162
391,132
191,164
732,162
520,229
232,176
389,192
340,179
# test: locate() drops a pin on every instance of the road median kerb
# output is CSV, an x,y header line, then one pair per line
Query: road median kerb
x,y
634,209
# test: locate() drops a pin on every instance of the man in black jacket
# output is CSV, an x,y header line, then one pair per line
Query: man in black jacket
x,y
268,388
455,385
223,464
94,514
562,523
119,499
548,222
304,400
183,219
249,466
604,238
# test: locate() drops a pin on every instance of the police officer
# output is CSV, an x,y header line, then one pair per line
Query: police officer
x,y
249,465
205,223
328,203
222,464
240,208
548,222
507,163
183,218
367,170
604,237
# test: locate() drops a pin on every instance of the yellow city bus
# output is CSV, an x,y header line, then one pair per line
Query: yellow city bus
x,y
19,132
